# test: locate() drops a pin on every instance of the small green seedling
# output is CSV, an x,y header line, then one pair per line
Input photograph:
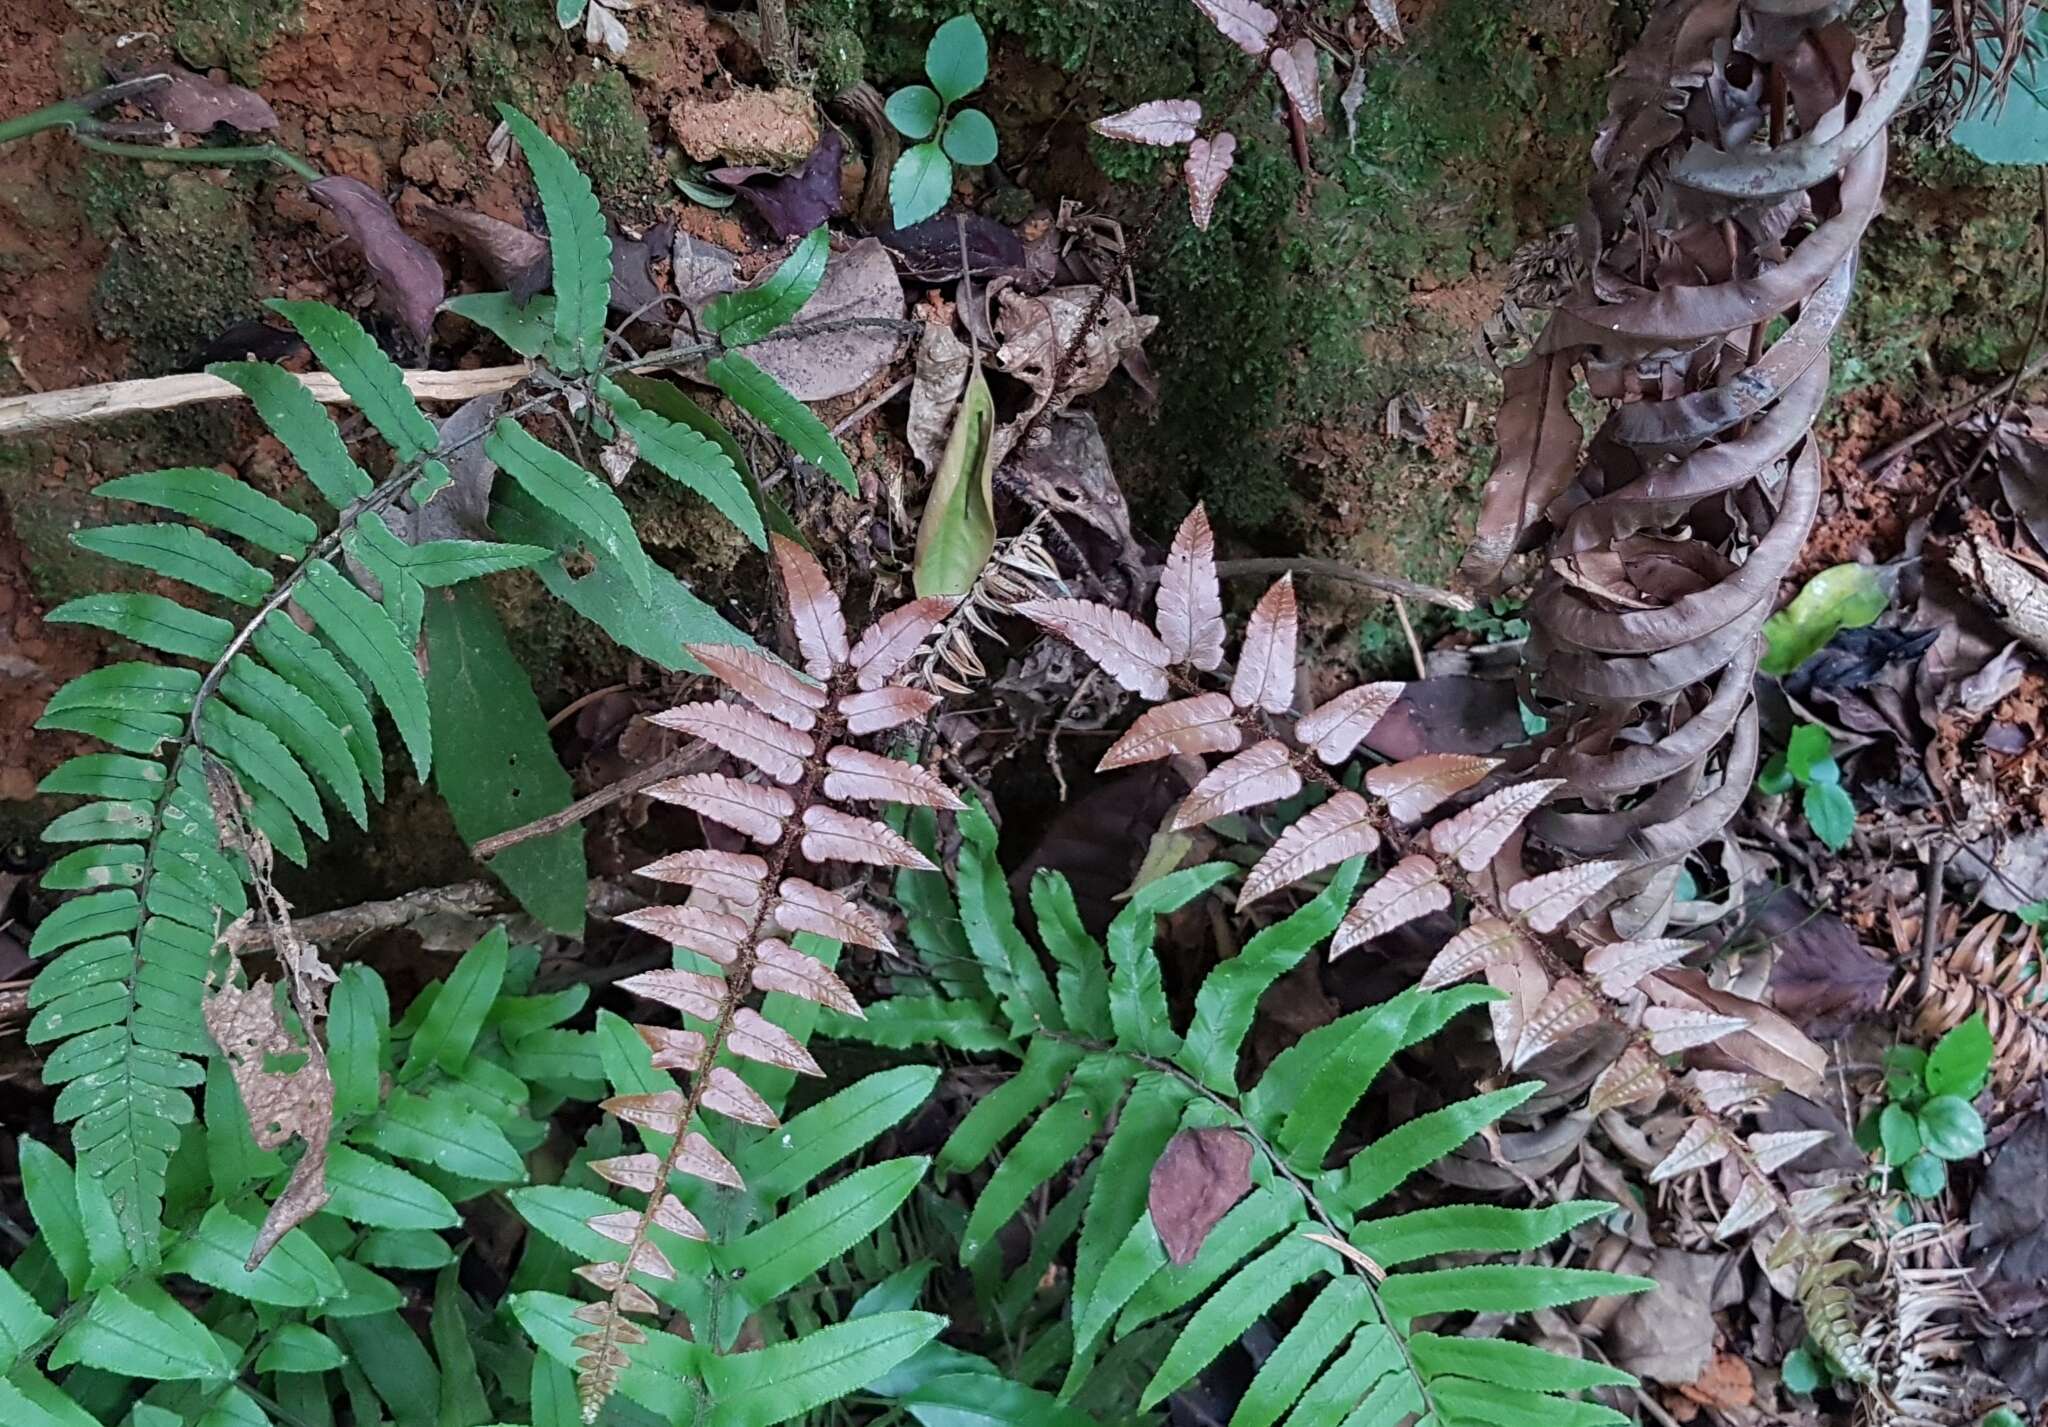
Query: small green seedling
x,y
2035,914
956,62
1806,1369
1808,762
1928,1122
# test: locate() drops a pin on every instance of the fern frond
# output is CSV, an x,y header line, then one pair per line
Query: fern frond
x,y
755,927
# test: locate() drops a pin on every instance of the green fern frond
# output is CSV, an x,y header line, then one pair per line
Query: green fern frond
x,y
1352,1355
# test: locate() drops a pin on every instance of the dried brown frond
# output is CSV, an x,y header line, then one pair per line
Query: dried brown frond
x,y
2000,978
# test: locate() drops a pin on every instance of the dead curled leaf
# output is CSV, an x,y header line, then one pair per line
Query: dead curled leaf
x,y
860,282
1196,1180
407,273
195,104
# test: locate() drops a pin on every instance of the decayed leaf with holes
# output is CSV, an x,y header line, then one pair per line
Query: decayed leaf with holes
x,y
1190,607
768,744
765,682
833,836
1621,964
1194,1183
1704,1142
1322,837
1209,162
1476,834
1545,902
802,906
1335,728
1161,123
860,777
1296,69
750,808
717,935
1570,1006
1245,23
1634,1077
281,1105
1485,943
1673,1030
1263,773
1265,660
1414,786
814,609
893,640
1410,889
890,706
1125,649
1206,723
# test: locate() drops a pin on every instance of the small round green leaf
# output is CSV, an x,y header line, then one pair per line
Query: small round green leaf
x,y
1776,778
919,184
1808,747
970,138
1961,1060
1925,1175
957,58
1830,814
1899,1133
1951,1127
1802,1371
1903,1067
914,110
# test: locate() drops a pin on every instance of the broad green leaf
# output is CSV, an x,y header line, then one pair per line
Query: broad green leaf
x,y
294,1274
149,620
1925,1175
688,458
302,726
437,564
785,1380
463,1403
565,1062
1960,1062
1898,1133
437,1129
1340,1306
1045,1067
108,865
1839,597
986,1399
150,688
1500,1288
364,634
970,139
990,919
956,60
22,1323
100,822
1232,1309
144,1333
1128,1268
50,1186
1510,1363
294,1347
914,110
178,552
1395,1399
364,1291
1470,1228
1384,1165
812,1142
577,243
957,532
220,501
1083,976
661,1374
1229,994
129,732
370,1192
785,1251
1807,748
385,1349
1830,813
1463,1398
1950,1127
1144,1124
919,184
452,1023
1137,989
574,494
524,327
497,767
370,378
763,398
563,1214
304,427
746,316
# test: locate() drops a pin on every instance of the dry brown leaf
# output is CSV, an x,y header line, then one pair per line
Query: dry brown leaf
x,y
1352,1254
1410,889
1335,728
802,906
1126,650
768,744
1569,1007
813,609
411,279
1521,975
833,836
1726,1090
1208,164
1206,723
695,993
1621,964
890,706
1703,1143
1413,786
781,967
1161,123
729,876
1673,1030
892,641
1476,834
1190,608
860,283
195,104
673,1048
1300,77
859,777
1485,943
1265,661
1263,773
944,363
280,1105
732,1097
1636,1076
1245,23
1322,837
748,808
1539,442
763,681
1197,1178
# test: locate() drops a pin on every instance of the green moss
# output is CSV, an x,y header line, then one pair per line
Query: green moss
x,y
524,21
181,268
232,34
612,142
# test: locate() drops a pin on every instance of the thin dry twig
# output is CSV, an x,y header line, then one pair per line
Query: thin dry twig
x,y
686,759
347,922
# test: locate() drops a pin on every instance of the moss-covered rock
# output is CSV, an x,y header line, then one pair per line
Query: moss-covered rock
x,y
231,34
611,140
182,265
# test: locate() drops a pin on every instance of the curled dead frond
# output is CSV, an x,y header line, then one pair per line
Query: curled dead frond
x,y
1021,569
1999,977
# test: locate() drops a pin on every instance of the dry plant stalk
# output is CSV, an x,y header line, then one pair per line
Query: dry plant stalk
x,y
790,730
